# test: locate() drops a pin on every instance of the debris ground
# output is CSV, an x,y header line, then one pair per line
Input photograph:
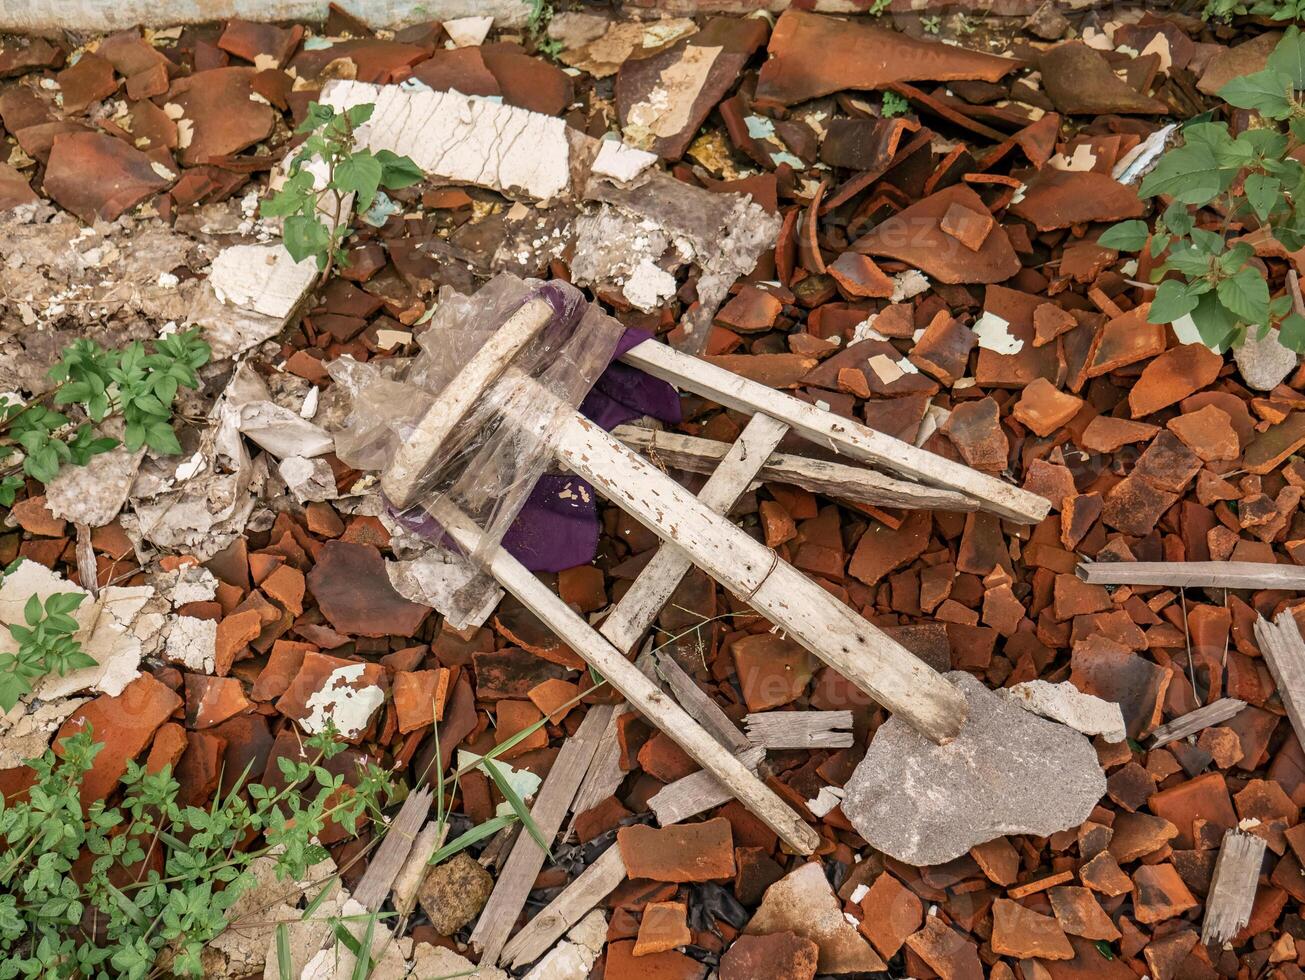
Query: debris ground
x,y
893,218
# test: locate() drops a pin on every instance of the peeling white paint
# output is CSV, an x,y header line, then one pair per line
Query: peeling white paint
x,y
339,702
994,335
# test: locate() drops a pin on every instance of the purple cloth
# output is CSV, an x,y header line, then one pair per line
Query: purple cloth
x,y
558,526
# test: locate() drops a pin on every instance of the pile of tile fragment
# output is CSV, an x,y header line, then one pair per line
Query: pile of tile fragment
x,y
933,274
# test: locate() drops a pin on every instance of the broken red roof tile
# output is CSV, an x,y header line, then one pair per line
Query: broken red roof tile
x,y
1208,432
354,592
223,115
882,549
1203,798
1173,376
97,176
662,926
1111,672
19,55
686,852
1159,893
773,671
858,277
1043,408
248,40
1105,434
947,952
813,55
419,697
1079,81
975,430
15,191
1021,932
777,956
1080,914
1060,198
622,964
212,700
915,236
376,60
891,913
1125,340
1272,446
943,350
90,80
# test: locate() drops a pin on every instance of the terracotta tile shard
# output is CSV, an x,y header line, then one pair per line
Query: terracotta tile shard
x,y
975,430
1049,322
1138,834
1203,798
813,55
663,926
688,852
890,912
14,189
234,633
858,276
1159,893
1103,874
1021,932
774,370
1077,515
1272,447
554,697
98,176
246,39
750,310
916,236
1105,434
212,700
1044,408
1078,80
330,689
1113,673
355,595
286,586
125,724
1173,376
777,956
1134,506
1208,432
947,952
1057,199
1080,914
622,964
773,671
943,350
1126,340
419,697
967,226
514,717
223,117
998,859
804,903
90,80
882,549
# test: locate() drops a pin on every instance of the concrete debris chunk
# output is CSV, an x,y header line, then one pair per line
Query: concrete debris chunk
x,y
1264,362
1068,705
1008,772
575,956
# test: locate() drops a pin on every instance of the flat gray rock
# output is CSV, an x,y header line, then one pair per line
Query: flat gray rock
x,y
1008,772
1264,363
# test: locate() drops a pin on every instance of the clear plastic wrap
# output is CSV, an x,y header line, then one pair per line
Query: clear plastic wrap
x,y
493,458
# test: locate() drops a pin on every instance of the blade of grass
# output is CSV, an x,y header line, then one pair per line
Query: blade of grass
x,y
363,967
284,963
463,841
518,805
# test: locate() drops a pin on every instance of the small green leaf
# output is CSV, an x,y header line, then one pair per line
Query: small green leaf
x,y
1291,332
304,237
1288,56
360,174
1173,299
1127,236
1262,193
1246,295
1266,92
397,171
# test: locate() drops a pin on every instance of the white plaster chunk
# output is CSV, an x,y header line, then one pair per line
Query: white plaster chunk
x,y
1066,704
908,284
308,480
468,32
621,162
192,643
339,702
648,286
263,279
432,579
451,135
440,961
575,956
25,732
94,494
281,432
1265,362
825,801
994,335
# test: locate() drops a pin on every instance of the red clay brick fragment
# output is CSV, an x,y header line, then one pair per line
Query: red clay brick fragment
x,y
687,852
778,956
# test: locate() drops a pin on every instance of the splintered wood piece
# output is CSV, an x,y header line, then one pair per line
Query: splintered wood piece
x,y
699,791
839,636
627,679
1181,574
800,729
1284,652
840,434
523,864
605,773
694,700
402,478
393,853
852,483
1232,888
1196,721
593,885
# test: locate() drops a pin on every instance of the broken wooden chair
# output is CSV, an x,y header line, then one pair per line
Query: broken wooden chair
x,y
696,532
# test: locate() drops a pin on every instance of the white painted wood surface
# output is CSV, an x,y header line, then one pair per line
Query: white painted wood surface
x,y
1232,888
875,664
852,483
401,480
1182,574
1196,721
1284,652
626,678
842,435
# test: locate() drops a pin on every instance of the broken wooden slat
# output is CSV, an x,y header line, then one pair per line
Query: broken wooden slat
x,y
626,678
401,479
1195,721
393,853
1232,888
524,862
800,729
592,885
694,700
1180,574
696,792
605,773
840,434
1284,652
852,483
839,636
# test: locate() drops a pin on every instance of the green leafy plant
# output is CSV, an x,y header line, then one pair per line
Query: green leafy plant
x,y
1273,9
931,24
877,7
162,876
327,173
894,105
1215,179
537,21
139,384
45,646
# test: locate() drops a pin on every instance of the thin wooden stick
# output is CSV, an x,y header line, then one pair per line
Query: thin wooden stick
x,y
1284,652
1194,574
1232,888
853,483
1195,721
843,435
800,729
390,857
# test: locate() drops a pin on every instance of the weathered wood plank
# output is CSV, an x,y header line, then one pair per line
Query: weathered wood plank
x,y
843,435
393,853
694,700
1181,574
853,483
696,792
1232,888
800,729
605,773
1195,721
1284,652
